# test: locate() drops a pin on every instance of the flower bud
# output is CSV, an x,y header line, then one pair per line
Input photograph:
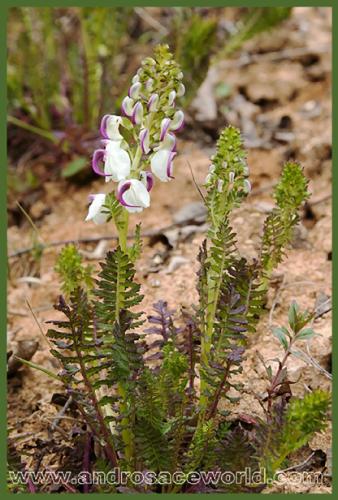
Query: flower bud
x,y
180,90
171,97
134,90
137,114
153,103
127,106
231,177
178,121
144,140
150,61
149,84
247,186
165,124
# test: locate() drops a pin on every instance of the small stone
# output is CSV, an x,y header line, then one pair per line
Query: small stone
x,y
195,212
323,304
155,283
176,262
157,259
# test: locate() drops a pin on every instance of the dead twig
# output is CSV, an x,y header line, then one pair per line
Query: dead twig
x,y
279,55
61,413
95,239
298,466
149,19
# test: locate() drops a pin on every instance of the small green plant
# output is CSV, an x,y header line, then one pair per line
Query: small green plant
x,y
166,407
72,272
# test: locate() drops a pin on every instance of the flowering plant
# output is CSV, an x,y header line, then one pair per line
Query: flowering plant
x,y
177,414
140,145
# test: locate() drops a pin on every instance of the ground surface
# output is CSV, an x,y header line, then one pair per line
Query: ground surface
x,y
281,100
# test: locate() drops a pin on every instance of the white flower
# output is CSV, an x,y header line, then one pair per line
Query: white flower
x,y
181,90
178,121
96,211
162,164
127,106
109,127
133,195
116,162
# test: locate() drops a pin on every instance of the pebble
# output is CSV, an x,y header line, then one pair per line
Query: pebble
x,y
176,262
155,283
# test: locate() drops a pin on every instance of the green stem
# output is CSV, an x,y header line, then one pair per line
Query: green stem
x,y
123,232
126,433
122,229
31,128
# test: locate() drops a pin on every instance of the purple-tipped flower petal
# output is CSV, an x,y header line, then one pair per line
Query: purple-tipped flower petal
x,y
127,106
144,140
178,121
133,195
136,78
148,180
109,128
98,157
162,164
153,103
137,114
165,124
134,90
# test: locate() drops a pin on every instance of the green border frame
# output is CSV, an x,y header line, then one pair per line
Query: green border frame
x,y
5,4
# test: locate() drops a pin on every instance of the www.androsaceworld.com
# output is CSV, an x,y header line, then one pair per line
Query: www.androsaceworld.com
x,y
209,478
